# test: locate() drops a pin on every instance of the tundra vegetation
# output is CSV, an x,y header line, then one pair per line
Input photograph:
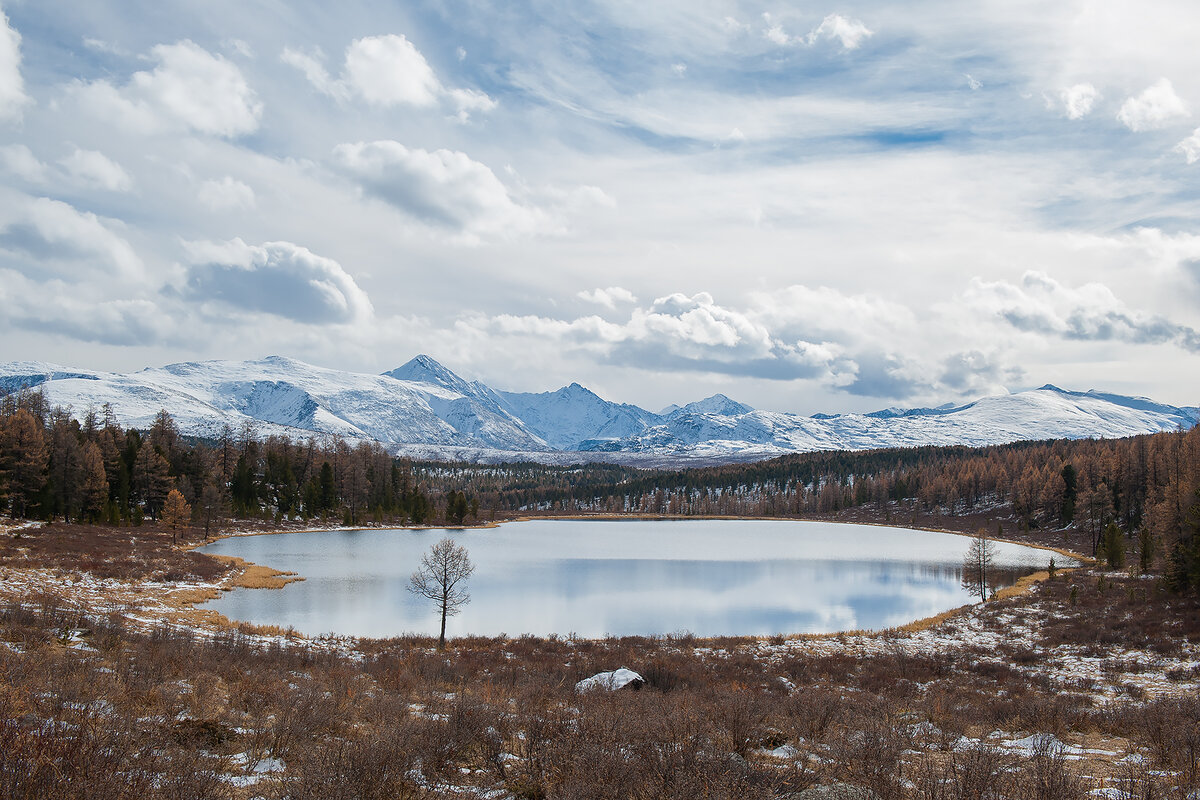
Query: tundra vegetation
x,y
1089,681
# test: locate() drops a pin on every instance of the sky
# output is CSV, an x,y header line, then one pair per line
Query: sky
x,y
806,206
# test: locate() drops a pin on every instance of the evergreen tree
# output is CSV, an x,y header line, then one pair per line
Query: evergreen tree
x,y
1112,546
151,480
1070,491
328,492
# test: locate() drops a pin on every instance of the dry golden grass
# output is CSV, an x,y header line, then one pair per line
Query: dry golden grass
x,y
255,576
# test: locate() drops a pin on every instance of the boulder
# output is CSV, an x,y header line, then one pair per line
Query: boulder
x,y
611,681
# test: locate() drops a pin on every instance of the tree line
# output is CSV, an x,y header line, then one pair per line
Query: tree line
x,y
1146,488
1143,489
53,466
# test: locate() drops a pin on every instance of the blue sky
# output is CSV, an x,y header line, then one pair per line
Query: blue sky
x,y
807,207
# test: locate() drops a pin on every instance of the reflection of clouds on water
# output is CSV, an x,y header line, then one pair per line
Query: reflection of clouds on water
x,y
629,577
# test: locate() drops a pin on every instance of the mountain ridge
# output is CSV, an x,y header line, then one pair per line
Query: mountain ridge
x,y
425,409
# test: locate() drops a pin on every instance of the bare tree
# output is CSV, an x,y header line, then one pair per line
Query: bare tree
x,y
441,577
977,565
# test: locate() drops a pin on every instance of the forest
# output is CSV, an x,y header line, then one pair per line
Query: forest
x,y
53,466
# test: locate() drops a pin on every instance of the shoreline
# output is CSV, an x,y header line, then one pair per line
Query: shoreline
x,y
256,576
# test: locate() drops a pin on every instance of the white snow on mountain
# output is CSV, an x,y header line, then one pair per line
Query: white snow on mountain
x,y
425,410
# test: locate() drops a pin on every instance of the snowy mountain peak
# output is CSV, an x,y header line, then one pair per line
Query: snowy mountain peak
x,y
717,404
422,408
424,369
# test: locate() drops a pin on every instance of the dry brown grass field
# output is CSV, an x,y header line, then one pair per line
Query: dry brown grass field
x,y
110,687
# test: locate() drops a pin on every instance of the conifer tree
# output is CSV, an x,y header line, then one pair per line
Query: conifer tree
x,y
24,459
95,483
176,513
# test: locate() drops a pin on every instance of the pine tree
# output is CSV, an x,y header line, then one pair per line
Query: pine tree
x,y
151,479
1112,546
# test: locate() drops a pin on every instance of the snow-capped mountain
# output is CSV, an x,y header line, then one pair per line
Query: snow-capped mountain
x,y
426,410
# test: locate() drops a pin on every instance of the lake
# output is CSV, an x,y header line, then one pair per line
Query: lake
x,y
619,577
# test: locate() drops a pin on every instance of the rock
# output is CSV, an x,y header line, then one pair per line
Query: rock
x,y
611,681
834,791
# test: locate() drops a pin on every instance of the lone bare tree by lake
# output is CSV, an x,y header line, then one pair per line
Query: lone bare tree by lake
x,y
977,565
441,578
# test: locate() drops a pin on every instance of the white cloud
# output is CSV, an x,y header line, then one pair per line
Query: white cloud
x,y
96,170
19,160
775,32
84,169
387,71
1190,147
81,316
278,278
443,187
1090,312
608,297
973,83
1078,100
52,238
850,32
1154,108
12,87
190,88
226,194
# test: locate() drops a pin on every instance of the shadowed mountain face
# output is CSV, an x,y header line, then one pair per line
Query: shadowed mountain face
x,y
427,410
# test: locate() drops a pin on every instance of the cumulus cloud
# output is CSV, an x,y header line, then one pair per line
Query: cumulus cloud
x,y
226,194
1190,147
386,71
190,88
50,239
443,188
12,87
1077,101
850,32
608,297
689,333
1091,312
1153,109
84,169
90,168
278,278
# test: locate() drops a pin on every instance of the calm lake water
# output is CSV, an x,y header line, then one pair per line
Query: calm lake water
x,y
623,577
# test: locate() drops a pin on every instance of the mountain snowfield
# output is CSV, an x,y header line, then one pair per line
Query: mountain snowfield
x,y
424,410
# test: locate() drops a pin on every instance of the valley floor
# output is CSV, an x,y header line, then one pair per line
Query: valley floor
x,y
112,685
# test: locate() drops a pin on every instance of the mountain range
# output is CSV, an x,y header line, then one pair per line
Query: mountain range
x,y
425,410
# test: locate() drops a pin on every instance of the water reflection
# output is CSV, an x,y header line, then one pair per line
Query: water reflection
x,y
620,577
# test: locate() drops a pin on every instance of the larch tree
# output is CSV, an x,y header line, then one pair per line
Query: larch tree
x,y
95,482
441,578
24,458
176,513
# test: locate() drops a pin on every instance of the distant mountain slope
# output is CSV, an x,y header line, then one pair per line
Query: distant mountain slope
x,y
424,409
